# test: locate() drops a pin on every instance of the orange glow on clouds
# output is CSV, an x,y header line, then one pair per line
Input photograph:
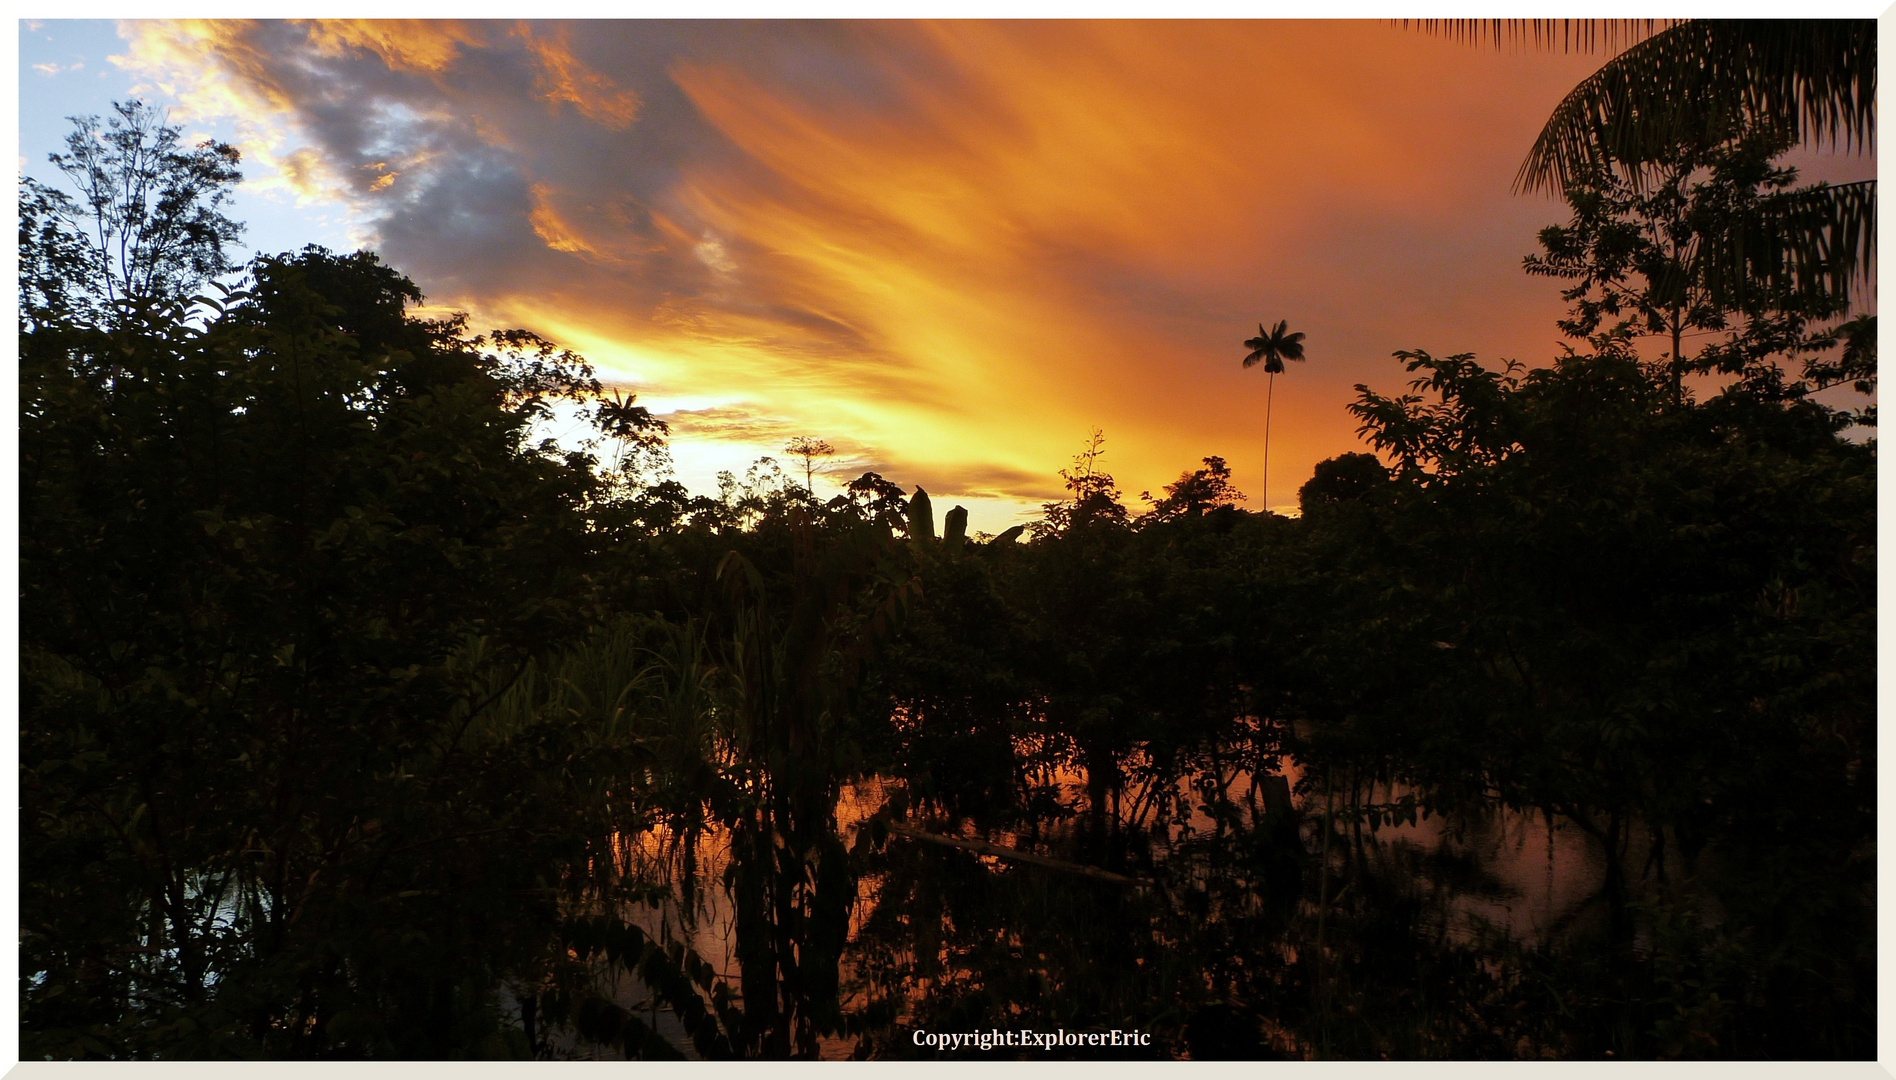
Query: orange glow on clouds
x,y
562,78
950,249
418,44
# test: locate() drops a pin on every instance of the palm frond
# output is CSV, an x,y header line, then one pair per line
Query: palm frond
x,y
1815,240
1259,346
1700,82
1567,35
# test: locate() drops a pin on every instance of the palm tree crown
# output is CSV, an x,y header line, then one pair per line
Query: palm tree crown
x,y
1274,346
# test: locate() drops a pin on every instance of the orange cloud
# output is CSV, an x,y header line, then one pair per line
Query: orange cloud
x,y
426,45
563,78
550,227
956,247
968,235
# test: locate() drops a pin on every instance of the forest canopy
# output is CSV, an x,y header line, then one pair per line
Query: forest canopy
x,y
360,720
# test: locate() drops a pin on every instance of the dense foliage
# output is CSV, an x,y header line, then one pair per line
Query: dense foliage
x,y
359,722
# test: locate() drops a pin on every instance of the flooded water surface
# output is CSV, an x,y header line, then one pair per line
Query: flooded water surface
x,y
953,924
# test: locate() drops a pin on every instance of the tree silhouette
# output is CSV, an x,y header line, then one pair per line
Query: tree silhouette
x,y
1196,493
809,449
1698,255
148,224
1273,347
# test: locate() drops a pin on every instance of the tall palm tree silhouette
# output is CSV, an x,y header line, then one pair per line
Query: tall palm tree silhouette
x,y
1273,347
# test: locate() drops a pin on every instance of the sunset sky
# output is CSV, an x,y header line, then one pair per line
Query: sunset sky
x,y
952,250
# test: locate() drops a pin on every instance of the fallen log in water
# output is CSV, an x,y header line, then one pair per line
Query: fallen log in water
x,y
982,847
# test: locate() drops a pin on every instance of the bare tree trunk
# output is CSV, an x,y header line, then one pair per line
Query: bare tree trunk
x,y
1270,391
1678,362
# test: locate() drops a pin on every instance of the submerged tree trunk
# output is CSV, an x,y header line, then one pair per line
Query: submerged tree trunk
x,y
1323,913
1356,824
1613,887
1102,780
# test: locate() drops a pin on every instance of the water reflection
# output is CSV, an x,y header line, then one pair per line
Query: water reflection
x,y
1207,919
